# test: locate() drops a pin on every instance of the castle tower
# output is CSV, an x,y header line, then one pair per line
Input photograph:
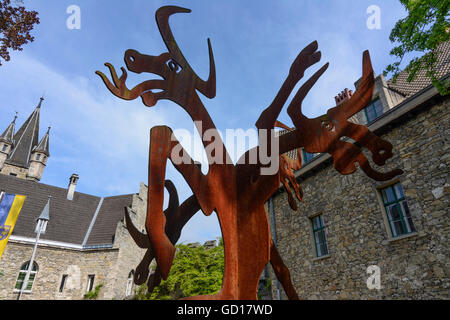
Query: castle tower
x,y
23,147
38,159
7,142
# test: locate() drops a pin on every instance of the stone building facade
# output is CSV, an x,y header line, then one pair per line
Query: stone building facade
x,y
86,243
109,264
345,242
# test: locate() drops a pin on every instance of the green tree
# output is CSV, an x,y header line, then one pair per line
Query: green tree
x,y
93,295
16,24
195,271
426,26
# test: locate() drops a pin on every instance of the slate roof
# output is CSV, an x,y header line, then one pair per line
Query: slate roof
x,y
69,219
8,134
407,89
44,145
111,212
25,140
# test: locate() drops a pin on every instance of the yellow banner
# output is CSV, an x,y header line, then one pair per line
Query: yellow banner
x,y
11,218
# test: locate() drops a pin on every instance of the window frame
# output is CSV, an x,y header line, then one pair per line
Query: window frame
x,y
63,282
90,282
129,286
405,219
371,105
321,228
305,158
23,271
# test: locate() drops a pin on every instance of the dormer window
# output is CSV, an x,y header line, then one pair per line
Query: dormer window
x,y
307,157
373,110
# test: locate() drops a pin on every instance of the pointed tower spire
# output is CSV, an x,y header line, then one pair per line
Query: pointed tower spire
x,y
7,142
45,214
43,146
8,135
40,101
26,139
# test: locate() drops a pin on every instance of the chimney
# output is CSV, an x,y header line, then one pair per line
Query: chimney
x,y
72,184
343,96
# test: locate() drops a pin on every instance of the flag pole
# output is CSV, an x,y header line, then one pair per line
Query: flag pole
x,y
30,265
40,228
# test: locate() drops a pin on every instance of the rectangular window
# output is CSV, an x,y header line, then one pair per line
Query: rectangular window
x,y
21,278
320,241
63,283
13,174
129,287
4,147
90,284
397,211
307,157
22,275
373,110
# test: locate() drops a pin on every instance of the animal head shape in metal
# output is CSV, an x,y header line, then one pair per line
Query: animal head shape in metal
x,y
333,132
179,83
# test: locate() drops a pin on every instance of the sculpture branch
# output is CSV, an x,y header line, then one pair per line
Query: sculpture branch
x,y
236,192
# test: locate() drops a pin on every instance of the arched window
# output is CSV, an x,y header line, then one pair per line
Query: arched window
x,y
129,283
22,274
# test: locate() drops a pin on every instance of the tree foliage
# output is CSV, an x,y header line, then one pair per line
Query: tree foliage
x,y
16,24
93,295
195,271
426,26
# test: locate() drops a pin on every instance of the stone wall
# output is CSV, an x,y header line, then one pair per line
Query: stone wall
x,y
20,172
53,263
415,266
130,254
111,266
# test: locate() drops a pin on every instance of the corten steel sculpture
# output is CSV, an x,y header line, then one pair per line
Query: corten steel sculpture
x,y
176,217
287,168
238,192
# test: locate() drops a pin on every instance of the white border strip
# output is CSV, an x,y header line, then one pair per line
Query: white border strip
x,y
86,237
46,242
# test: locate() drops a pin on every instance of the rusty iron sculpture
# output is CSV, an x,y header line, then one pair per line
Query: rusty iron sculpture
x,y
236,192
287,168
176,217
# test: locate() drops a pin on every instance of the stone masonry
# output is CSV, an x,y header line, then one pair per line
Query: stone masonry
x,y
414,266
111,266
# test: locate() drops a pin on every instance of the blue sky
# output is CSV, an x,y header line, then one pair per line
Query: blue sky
x,y
105,139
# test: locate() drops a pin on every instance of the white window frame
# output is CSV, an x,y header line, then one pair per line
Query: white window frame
x,y
390,235
129,288
25,274
90,282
